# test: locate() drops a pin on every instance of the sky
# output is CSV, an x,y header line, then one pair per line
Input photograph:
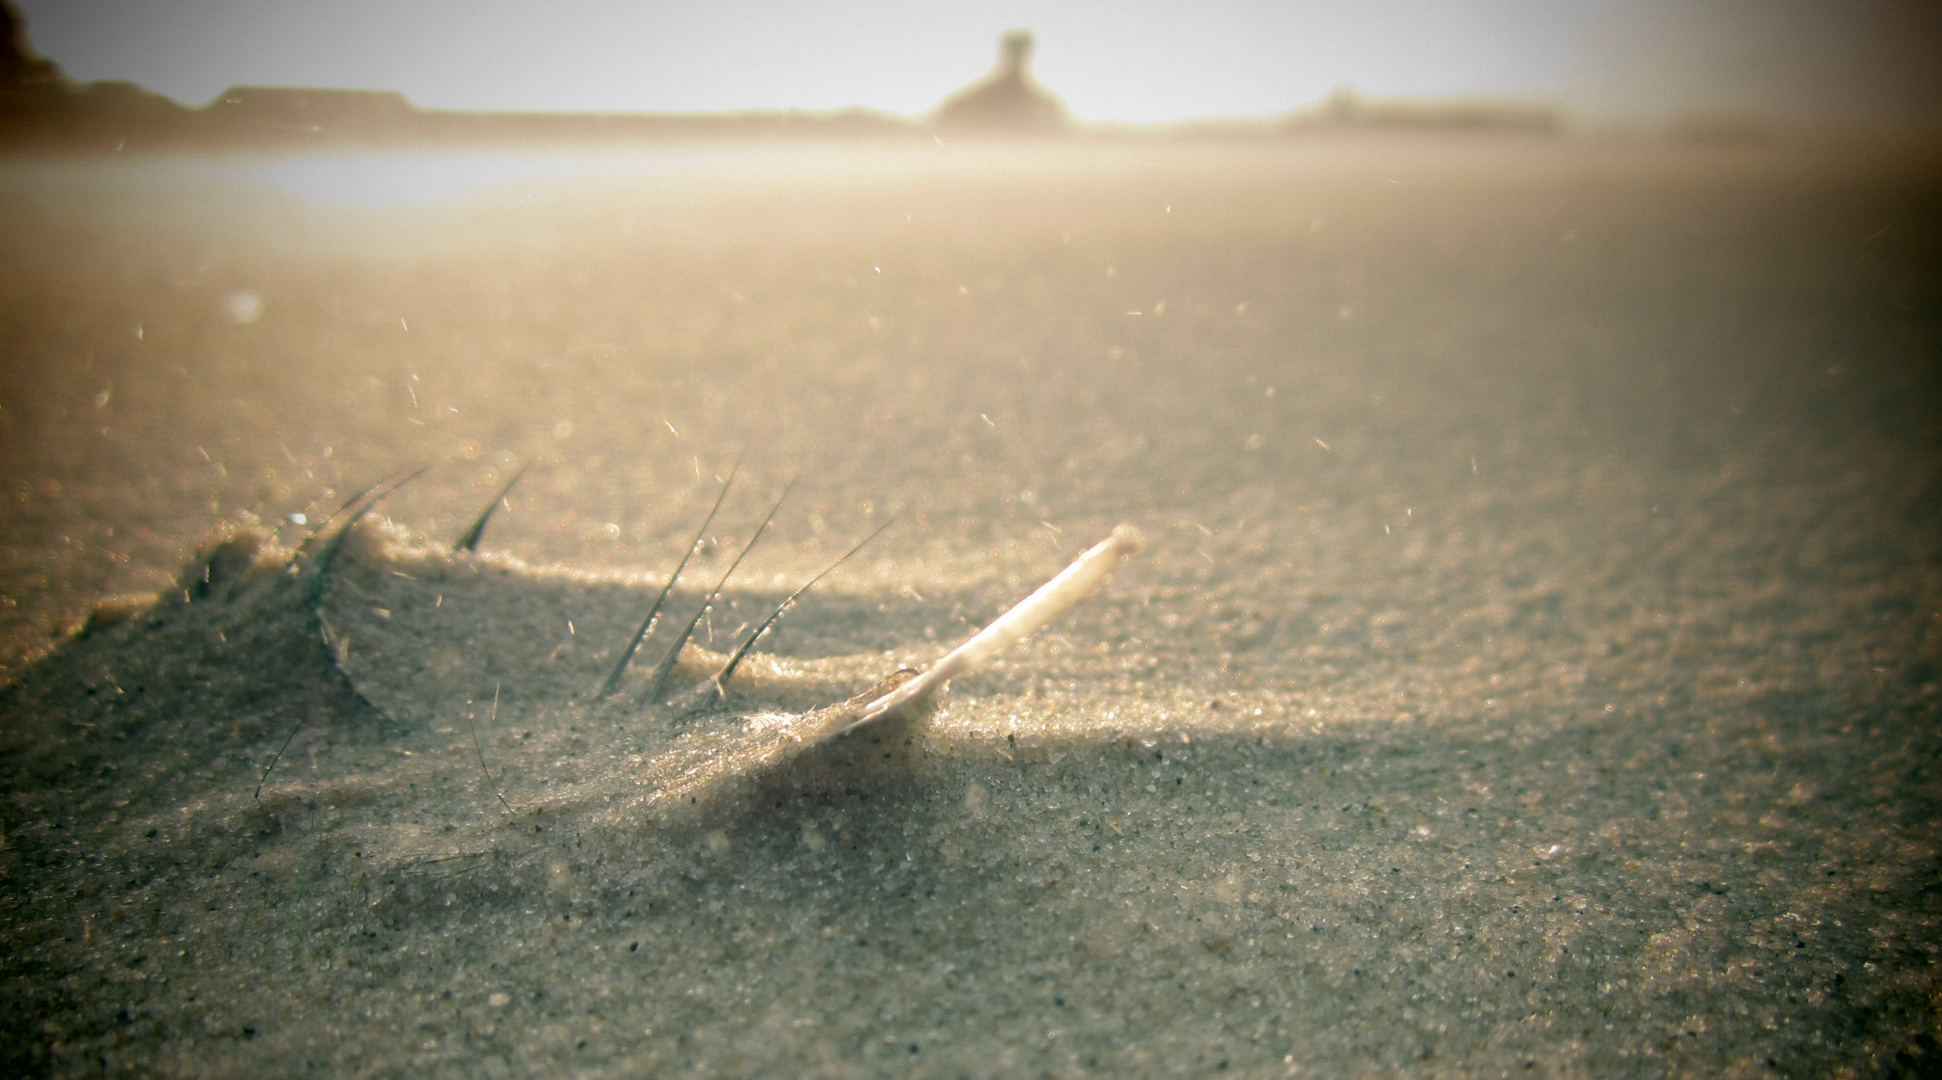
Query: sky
x,y
1841,62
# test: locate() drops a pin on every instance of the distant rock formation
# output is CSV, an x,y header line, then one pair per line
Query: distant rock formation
x,y
1008,101
41,107
1345,108
29,81
365,115
43,110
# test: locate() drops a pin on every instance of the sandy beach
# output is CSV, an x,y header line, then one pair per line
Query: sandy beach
x,y
1532,669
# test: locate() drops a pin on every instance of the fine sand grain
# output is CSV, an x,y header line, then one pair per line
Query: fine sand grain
x,y
1533,667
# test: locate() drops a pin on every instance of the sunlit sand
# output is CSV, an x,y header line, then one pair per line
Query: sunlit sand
x,y
1530,666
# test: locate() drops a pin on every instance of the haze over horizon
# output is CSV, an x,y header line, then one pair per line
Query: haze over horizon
x,y
1863,64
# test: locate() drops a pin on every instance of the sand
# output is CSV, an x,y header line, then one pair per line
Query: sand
x,y
1533,667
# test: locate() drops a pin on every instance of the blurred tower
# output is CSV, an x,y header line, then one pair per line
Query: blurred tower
x,y
1008,100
